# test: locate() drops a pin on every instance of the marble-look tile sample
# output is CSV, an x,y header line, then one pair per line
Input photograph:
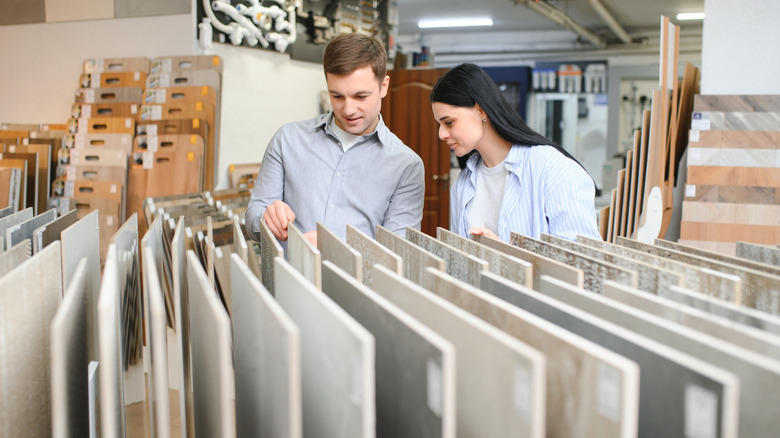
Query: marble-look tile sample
x,y
541,265
649,278
768,268
269,249
591,391
759,376
337,360
213,378
147,8
79,10
180,365
412,361
22,12
338,252
735,121
50,232
500,381
596,271
459,264
759,253
509,267
667,376
24,230
415,259
14,257
372,252
12,220
29,297
267,360
732,157
304,256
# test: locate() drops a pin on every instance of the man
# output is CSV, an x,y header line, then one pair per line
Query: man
x,y
343,167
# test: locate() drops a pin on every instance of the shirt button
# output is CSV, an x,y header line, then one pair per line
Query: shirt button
x,y
338,173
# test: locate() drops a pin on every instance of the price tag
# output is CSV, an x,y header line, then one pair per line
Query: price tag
x,y
693,135
152,143
148,160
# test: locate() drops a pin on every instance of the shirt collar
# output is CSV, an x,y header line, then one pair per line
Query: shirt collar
x,y
512,162
381,131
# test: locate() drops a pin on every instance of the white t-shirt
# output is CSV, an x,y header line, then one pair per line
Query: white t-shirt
x,y
486,207
347,140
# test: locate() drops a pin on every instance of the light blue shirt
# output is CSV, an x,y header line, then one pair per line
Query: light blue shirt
x,y
378,181
546,192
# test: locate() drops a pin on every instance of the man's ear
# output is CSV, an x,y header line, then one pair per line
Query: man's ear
x,y
384,86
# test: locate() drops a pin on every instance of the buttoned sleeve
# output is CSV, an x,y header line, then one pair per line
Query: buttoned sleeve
x,y
406,204
569,206
269,185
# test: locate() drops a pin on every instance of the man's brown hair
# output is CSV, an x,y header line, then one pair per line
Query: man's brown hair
x,y
349,52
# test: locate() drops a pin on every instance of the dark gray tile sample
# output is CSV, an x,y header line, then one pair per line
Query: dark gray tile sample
x,y
181,365
14,257
24,230
22,12
759,253
512,268
267,360
50,232
269,249
459,264
372,252
29,297
591,391
759,376
146,8
338,252
666,374
406,351
337,359
14,219
213,377
739,261
415,259
596,271
304,256
500,381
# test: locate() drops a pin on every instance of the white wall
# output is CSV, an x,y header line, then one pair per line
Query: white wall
x,y
741,46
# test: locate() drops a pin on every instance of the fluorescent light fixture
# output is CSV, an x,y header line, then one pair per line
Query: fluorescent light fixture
x,y
690,16
454,22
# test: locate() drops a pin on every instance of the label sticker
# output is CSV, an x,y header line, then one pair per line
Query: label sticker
x,y
434,384
701,412
152,143
693,135
148,160
690,191
521,393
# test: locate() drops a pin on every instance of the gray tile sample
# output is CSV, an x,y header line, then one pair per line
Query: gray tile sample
x,y
759,376
415,259
24,230
737,120
14,219
29,297
14,257
596,271
160,408
270,249
181,366
213,378
759,253
406,353
267,360
304,256
7,211
459,264
337,360
666,375
147,8
22,12
541,265
509,267
500,381
739,261
591,391
50,232
69,386
372,252
338,252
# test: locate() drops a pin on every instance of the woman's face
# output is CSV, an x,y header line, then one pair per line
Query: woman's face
x,y
461,127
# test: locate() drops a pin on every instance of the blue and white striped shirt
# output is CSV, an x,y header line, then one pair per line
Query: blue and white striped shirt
x,y
546,192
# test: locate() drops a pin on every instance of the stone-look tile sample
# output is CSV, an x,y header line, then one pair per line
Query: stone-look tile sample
x,y
509,267
50,232
269,249
180,365
337,360
726,287
768,268
591,391
79,10
12,220
411,361
596,271
7,211
213,378
372,252
759,253
29,297
500,381
304,256
338,252
267,359
541,265
459,264
667,376
14,257
415,259
147,8
759,376
24,230
759,289
649,278
22,12
158,347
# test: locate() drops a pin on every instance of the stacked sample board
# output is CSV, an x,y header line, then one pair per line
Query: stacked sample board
x,y
733,188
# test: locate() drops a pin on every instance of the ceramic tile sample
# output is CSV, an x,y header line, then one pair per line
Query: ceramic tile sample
x,y
739,261
590,390
50,232
79,10
339,253
412,361
157,340
372,252
304,256
24,230
213,378
22,12
267,358
512,268
459,264
12,220
145,8
759,376
29,297
14,257
667,375
270,249
181,367
500,381
596,271
337,360
415,259
758,253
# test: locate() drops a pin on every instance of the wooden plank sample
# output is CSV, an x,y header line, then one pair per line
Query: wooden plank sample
x,y
10,187
633,183
626,193
655,154
270,249
372,252
618,212
44,152
415,259
639,200
338,252
459,264
731,194
731,214
32,170
612,213
737,176
735,139
735,120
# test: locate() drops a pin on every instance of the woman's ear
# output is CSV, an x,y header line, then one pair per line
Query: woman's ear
x,y
480,112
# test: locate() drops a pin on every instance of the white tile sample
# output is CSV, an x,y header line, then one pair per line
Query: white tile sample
x,y
14,257
769,268
338,252
759,253
415,259
372,252
111,370
304,256
158,348
180,363
459,264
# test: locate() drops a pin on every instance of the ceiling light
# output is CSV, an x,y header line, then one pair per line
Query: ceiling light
x,y
454,22
690,16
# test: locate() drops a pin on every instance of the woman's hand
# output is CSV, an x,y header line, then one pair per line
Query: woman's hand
x,y
483,232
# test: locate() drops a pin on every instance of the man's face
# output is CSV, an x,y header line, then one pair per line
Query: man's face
x,y
356,99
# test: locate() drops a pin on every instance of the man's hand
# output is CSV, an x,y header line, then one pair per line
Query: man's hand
x,y
276,217
483,232
312,237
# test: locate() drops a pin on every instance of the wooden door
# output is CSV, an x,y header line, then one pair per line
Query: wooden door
x,y
407,112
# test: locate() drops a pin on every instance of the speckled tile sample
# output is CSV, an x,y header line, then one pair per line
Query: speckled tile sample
x,y
415,259
14,257
269,249
459,264
24,230
738,261
338,252
759,253
372,252
304,256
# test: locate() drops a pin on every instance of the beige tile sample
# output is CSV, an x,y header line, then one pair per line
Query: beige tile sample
x,y
459,264
304,256
78,10
14,257
338,252
415,259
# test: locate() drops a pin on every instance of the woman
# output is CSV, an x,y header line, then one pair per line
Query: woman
x,y
517,181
